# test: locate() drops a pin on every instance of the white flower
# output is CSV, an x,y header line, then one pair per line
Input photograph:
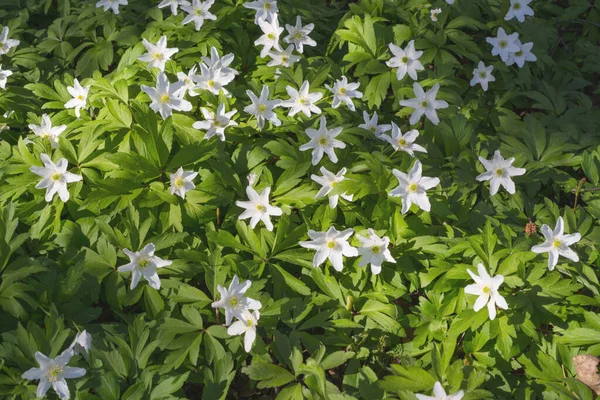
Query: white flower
x,y
54,177
5,43
198,12
412,188
215,73
265,9
374,250
158,54
181,182
523,54
4,74
188,81
503,44
221,65
557,244
302,100
234,302
82,344
519,9
174,4
258,208
438,391
215,123
483,75
406,60
209,79
450,2
371,124
165,97
114,4
404,142
252,176
323,140
262,107
144,263
284,58
298,35
52,373
247,328
498,172
330,245
270,38
424,103
434,14
486,287
328,181
46,130
79,99
344,92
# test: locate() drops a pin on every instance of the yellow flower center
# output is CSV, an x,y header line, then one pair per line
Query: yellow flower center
x,y
267,6
556,243
376,249
164,98
519,53
233,301
499,172
262,108
157,56
502,43
331,244
334,184
323,141
284,59
211,83
298,35
402,142
144,263
424,104
486,289
249,323
56,176
199,12
179,182
303,101
517,6
80,97
260,207
482,74
271,36
404,59
412,187
55,373
342,90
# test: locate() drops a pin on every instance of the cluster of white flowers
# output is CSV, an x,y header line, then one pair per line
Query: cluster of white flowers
x,y
243,308
510,49
53,372
333,245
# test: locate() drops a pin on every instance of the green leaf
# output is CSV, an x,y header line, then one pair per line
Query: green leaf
x,y
168,386
268,375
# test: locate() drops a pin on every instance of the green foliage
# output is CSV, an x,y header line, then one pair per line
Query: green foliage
x,y
322,334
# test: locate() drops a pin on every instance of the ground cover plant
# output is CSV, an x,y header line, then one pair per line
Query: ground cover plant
x,y
299,199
